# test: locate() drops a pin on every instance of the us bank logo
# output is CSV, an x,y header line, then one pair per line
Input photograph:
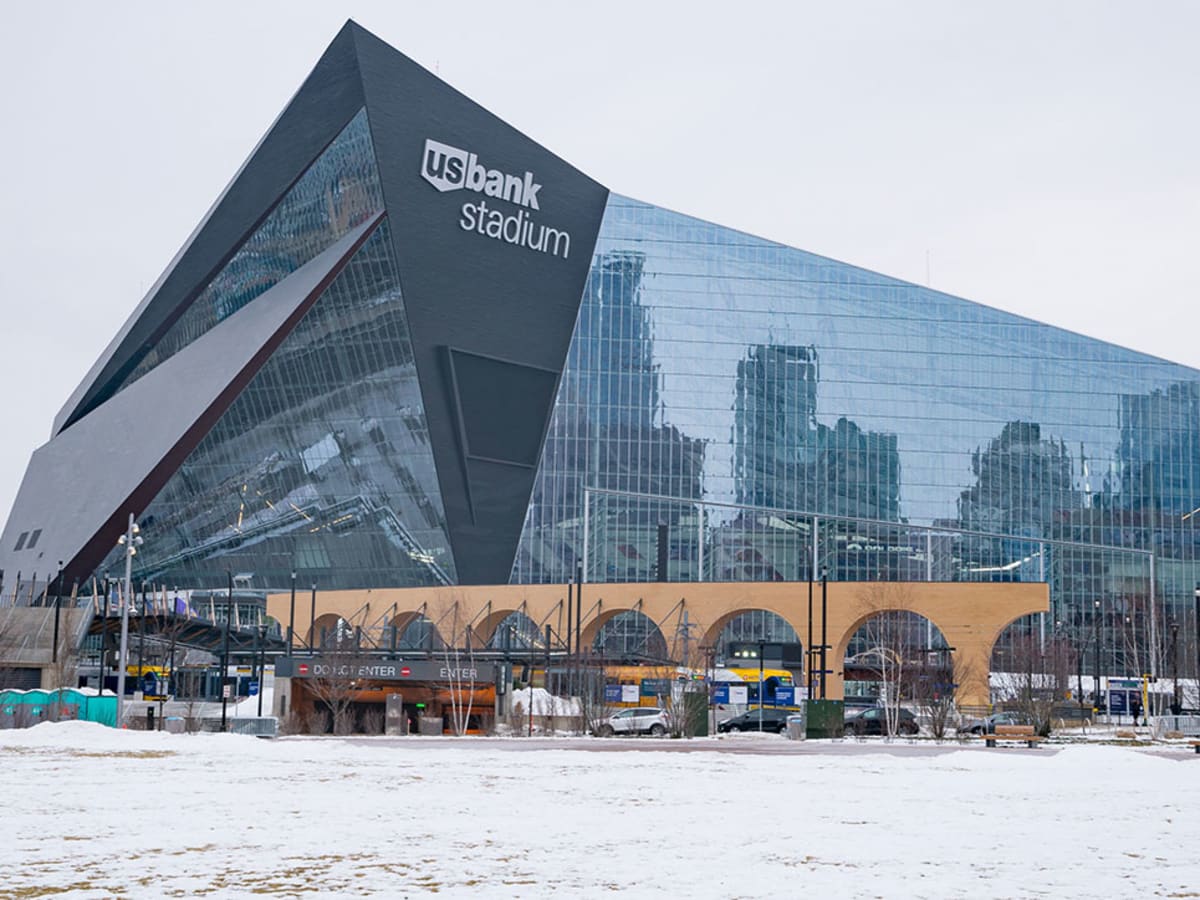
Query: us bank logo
x,y
449,168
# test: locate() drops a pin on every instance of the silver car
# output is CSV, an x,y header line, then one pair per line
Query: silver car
x,y
638,720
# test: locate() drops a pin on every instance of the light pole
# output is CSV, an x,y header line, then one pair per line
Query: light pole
x,y
262,663
1175,704
130,541
824,629
225,689
761,698
1096,653
292,619
57,613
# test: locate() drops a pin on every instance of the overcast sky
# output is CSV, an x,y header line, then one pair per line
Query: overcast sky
x,y
1038,157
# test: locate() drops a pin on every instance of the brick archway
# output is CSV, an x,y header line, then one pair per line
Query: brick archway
x,y
970,616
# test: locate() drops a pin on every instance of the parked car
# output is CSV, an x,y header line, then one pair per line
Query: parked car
x,y
772,720
874,721
988,725
637,720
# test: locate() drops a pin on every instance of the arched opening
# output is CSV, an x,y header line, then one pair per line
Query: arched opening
x,y
414,631
752,626
516,631
330,631
896,656
630,636
1034,665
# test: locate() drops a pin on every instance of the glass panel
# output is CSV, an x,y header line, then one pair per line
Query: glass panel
x,y
322,465
335,194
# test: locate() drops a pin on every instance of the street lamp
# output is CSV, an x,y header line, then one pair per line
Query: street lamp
x,y
1096,652
761,698
1175,703
130,541
824,629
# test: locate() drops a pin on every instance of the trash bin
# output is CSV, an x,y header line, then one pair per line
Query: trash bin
x,y
797,727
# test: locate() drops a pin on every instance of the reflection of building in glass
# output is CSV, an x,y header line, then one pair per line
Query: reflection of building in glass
x,y
775,444
1023,484
610,433
348,384
1160,449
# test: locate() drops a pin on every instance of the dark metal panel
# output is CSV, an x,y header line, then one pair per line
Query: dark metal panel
x,y
81,486
327,100
476,290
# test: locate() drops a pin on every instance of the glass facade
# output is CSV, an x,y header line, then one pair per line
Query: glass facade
x,y
321,465
333,196
781,412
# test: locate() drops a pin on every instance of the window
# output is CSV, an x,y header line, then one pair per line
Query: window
x,y
33,539
21,541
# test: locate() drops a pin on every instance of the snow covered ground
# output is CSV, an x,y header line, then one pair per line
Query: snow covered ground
x,y
92,812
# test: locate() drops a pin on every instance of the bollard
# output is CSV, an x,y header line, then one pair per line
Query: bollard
x,y
149,718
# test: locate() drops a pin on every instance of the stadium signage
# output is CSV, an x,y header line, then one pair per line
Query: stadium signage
x,y
449,168
417,670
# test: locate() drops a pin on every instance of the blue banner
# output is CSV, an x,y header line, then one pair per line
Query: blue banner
x,y
612,693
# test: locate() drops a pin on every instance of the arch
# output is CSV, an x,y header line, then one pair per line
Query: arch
x,y
415,631
325,624
509,629
741,626
630,634
712,634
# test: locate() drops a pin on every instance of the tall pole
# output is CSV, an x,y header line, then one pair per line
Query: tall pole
x,y
292,618
1175,667
122,660
1197,598
1096,653
57,613
570,610
761,696
225,655
579,609
104,638
809,647
142,637
824,629
312,622
262,665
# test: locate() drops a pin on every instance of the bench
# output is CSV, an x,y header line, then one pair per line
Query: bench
x,y
1018,733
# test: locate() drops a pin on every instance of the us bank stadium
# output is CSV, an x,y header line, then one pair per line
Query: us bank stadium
x,y
467,398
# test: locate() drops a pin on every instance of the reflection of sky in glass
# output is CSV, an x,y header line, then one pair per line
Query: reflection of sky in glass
x,y
904,371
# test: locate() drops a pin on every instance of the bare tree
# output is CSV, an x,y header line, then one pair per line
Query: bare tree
x,y
933,684
1033,676
893,647
458,672
335,677
591,683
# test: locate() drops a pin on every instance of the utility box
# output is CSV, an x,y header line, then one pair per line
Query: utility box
x,y
797,725
826,718
695,705
430,725
395,722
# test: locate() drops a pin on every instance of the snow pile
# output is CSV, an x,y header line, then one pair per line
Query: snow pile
x,y
545,703
228,816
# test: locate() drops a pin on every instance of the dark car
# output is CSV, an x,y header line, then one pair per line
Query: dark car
x,y
988,725
772,720
874,721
